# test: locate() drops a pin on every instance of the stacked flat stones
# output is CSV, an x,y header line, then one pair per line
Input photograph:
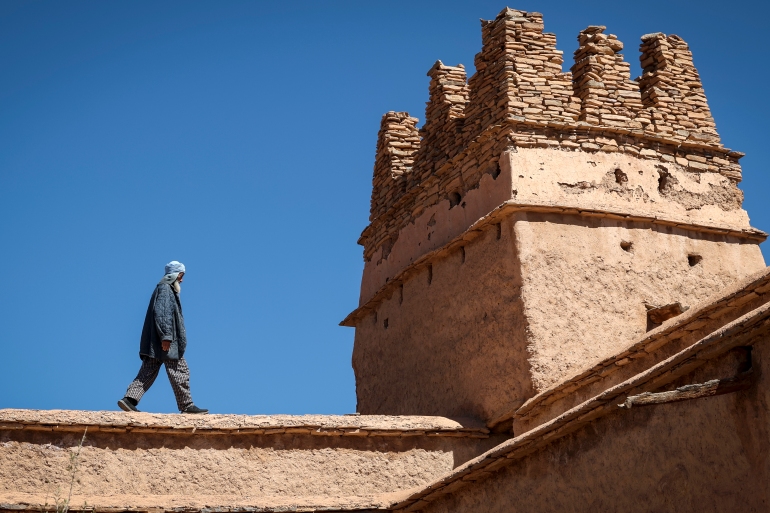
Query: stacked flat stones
x,y
672,89
397,144
602,82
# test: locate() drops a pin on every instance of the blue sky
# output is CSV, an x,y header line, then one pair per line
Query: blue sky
x,y
238,138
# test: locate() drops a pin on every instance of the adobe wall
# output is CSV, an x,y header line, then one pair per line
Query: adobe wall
x,y
643,353
497,320
142,461
607,182
584,295
703,455
452,339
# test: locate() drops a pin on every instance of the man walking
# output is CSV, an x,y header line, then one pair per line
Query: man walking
x,y
163,343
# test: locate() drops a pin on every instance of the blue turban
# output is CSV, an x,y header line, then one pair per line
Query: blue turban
x,y
174,267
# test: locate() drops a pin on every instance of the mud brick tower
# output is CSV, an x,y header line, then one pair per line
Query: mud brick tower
x,y
539,221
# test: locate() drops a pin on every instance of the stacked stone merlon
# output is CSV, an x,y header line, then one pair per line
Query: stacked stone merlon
x,y
444,115
397,144
671,88
602,81
518,75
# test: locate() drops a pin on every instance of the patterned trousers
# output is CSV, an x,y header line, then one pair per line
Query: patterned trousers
x,y
178,375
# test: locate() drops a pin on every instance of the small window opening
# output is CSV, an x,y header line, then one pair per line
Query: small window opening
x,y
626,245
694,260
462,254
496,171
454,199
430,274
385,324
662,180
620,177
499,230
375,317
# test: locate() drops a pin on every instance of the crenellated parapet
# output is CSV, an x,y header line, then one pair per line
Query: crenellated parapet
x,y
397,144
602,81
671,88
519,97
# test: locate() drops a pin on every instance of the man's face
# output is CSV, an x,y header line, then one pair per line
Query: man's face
x,y
180,277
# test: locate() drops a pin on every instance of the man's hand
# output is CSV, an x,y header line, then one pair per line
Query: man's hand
x,y
166,345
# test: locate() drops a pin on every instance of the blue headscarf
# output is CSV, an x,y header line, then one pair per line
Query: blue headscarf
x,y
173,269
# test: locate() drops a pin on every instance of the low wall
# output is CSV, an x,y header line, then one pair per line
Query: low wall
x,y
139,460
703,455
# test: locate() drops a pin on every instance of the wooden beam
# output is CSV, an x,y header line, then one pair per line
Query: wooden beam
x,y
709,388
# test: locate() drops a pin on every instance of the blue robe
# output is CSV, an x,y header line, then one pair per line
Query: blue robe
x,y
164,321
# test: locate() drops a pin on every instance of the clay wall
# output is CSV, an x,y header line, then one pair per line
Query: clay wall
x,y
710,454
451,339
587,281
496,320
618,185
656,345
141,461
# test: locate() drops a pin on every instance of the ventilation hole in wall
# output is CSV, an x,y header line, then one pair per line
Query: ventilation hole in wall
x,y
430,274
662,179
694,260
387,246
462,254
454,199
385,324
401,294
620,177
375,317
499,228
626,246
496,171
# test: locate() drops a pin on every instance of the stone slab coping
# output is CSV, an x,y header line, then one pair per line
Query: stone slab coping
x,y
749,329
509,207
329,425
699,316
